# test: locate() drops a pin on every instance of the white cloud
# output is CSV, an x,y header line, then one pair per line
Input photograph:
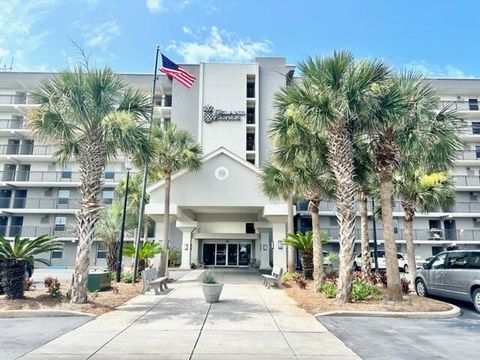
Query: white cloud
x,y
99,36
19,37
156,6
219,45
436,71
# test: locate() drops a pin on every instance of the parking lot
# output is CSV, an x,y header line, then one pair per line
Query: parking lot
x,y
394,338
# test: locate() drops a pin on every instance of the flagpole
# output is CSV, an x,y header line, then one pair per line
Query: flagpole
x,y
141,208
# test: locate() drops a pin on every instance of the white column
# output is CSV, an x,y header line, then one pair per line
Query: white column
x,y
279,255
158,238
265,249
186,247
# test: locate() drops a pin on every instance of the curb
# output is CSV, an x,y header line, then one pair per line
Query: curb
x,y
452,313
11,314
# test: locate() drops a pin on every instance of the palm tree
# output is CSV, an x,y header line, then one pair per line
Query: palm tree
x,y
305,153
407,125
336,96
108,230
420,190
147,250
175,149
90,114
278,182
304,243
16,254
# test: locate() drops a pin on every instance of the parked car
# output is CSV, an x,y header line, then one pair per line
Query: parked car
x,y
451,274
402,261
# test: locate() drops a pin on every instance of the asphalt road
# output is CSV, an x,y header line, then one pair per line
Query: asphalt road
x,y
22,335
392,338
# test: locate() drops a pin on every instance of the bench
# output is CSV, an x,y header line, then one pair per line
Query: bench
x,y
151,281
274,279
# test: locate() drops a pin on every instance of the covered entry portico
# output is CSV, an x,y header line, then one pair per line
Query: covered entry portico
x,y
219,217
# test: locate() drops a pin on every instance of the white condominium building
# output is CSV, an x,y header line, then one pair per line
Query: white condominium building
x,y
219,216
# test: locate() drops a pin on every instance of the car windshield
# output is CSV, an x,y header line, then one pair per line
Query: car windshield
x,y
380,254
418,257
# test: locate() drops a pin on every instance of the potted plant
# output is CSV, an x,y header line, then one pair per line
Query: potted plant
x,y
16,254
211,289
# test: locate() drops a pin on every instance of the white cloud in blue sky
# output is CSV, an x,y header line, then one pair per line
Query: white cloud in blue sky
x,y
437,71
157,6
216,44
102,34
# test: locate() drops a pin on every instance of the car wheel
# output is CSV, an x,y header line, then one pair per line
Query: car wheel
x,y
405,269
421,288
476,299
355,266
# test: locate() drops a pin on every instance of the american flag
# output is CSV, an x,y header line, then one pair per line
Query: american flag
x,y
176,72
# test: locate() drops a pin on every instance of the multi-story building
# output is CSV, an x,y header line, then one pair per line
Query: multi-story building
x,y
218,215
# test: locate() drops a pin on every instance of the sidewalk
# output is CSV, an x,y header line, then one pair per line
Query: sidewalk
x,y
250,322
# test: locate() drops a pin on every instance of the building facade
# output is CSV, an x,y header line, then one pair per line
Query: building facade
x,y
218,215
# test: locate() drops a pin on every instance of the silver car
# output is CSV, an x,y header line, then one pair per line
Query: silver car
x,y
452,274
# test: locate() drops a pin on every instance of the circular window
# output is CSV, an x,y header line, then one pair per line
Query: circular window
x,y
221,173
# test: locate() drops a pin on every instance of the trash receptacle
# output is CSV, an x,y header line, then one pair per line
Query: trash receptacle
x,y
98,281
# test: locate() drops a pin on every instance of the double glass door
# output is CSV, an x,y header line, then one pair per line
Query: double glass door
x,y
227,254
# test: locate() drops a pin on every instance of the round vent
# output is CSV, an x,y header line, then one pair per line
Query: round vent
x,y
221,173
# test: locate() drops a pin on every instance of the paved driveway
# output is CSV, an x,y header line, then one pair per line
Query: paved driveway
x,y
250,322
392,338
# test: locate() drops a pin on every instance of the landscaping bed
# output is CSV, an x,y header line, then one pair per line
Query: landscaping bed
x,y
314,302
98,302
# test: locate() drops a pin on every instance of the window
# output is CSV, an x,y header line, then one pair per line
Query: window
x,y
395,226
57,254
474,260
60,223
250,228
476,223
473,196
457,260
110,172
473,104
107,196
101,251
67,172
477,151
400,257
333,221
380,254
439,262
476,127
250,142
63,197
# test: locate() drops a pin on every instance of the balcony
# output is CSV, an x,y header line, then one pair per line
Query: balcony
x,y
43,203
54,176
13,99
468,155
37,230
461,105
29,149
466,180
12,124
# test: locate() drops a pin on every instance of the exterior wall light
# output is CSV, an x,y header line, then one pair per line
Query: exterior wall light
x,y
272,245
185,247
280,244
265,247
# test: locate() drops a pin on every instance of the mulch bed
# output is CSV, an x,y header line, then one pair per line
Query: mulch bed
x,y
315,303
98,302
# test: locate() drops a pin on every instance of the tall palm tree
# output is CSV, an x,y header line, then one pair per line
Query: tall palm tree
x,y
90,114
419,190
175,149
278,182
408,124
305,153
336,95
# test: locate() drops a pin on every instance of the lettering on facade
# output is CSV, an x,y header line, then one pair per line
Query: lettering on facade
x,y
210,114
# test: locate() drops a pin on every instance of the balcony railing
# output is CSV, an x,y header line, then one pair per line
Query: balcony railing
x,y
12,124
466,180
54,176
468,155
418,234
33,231
461,105
30,149
13,99
43,203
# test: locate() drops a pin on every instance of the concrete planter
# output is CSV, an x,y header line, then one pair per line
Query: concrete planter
x,y
212,292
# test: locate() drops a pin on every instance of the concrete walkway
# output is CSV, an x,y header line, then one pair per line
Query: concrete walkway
x,y
250,322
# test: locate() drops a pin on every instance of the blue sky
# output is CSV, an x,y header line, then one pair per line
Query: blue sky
x,y
437,37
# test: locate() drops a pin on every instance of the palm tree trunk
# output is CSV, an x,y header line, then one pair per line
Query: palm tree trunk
x,y
412,266
394,290
366,265
92,165
112,252
318,273
162,269
290,229
341,158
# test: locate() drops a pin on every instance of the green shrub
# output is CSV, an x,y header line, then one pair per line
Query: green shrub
x,y
289,276
208,278
53,287
361,290
127,277
328,289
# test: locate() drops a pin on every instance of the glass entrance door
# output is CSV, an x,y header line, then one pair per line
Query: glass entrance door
x,y
232,254
221,255
244,254
209,254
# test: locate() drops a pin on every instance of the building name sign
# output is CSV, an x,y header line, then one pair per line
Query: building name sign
x,y
210,114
